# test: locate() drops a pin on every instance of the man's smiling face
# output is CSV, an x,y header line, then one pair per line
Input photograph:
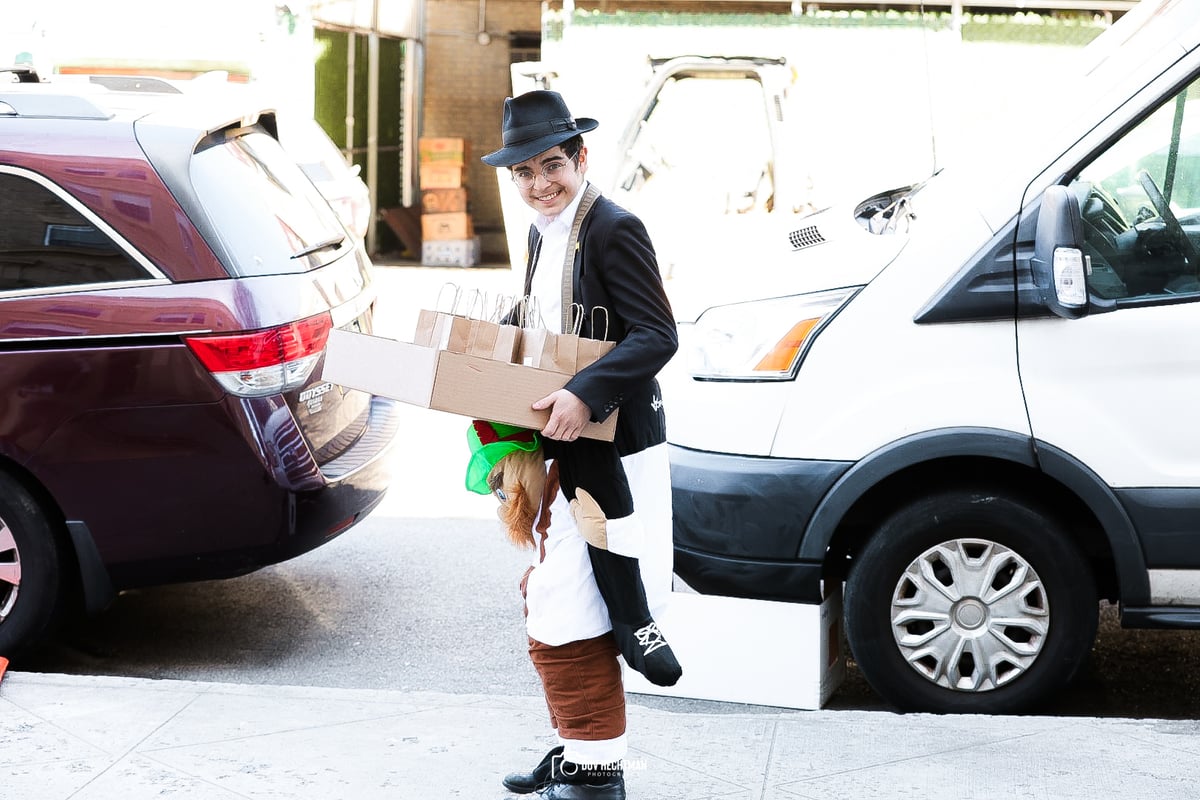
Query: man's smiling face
x,y
556,179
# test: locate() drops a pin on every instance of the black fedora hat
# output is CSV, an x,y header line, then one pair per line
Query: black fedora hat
x,y
533,123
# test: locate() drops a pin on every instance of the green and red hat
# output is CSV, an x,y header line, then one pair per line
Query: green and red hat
x,y
489,443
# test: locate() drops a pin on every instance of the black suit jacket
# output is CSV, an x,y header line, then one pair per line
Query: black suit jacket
x,y
616,269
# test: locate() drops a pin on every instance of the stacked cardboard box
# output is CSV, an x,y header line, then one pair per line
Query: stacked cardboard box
x,y
447,232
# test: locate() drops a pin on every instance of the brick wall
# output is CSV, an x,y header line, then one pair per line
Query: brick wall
x,y
465,86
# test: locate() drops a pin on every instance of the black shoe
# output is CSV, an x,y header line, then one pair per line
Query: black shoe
x,y
573,782
645,649
542,775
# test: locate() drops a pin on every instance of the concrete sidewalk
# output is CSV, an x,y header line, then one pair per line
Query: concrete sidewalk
x,y
96,738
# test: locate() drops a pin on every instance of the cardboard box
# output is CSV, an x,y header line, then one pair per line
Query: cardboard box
x,y
443,176
442,150
451,252
443,201
447,226
751,651
459,384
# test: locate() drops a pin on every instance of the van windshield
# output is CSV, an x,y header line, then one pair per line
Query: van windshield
x,y
1132,52
276,221
1144,30
1114,67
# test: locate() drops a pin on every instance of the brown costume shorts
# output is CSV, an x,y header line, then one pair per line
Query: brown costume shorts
x,y
582,683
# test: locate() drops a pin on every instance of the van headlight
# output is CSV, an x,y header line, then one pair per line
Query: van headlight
x,y
762,340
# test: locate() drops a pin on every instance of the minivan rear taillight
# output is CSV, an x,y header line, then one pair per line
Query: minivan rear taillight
x,y
263,362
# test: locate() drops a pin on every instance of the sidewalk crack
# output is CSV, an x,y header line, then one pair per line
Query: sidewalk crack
x,y
133,747
770,758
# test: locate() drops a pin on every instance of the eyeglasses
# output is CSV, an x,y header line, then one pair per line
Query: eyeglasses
x,y
524,178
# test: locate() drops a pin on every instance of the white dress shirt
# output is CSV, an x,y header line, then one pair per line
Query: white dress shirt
x,y
548,270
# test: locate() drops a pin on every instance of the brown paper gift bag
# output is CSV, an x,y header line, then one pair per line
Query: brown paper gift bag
x,y
460,328
556,352
486,338
432,328
564,352
590,350
507,346
507,343
540,347
434,324
491,340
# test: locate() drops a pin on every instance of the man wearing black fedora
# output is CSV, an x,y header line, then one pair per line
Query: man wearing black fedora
x,y
604,554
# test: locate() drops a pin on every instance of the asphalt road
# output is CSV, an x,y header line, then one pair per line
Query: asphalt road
x,y
413,604
420,603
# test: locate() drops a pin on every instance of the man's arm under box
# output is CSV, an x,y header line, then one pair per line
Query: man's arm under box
x,y
453,382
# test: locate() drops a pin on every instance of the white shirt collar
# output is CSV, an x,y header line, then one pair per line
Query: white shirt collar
x,y
566,216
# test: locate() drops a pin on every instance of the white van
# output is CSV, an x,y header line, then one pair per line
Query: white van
x,y
975,400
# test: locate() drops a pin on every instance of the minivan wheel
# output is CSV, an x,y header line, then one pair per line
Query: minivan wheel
x,y
970,602
29,569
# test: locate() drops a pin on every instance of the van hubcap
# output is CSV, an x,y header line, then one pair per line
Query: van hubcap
x,y
970,615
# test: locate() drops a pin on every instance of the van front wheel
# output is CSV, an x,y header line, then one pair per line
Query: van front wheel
x,y
970,602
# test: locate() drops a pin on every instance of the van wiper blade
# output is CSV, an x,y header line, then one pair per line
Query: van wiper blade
x,y
327,244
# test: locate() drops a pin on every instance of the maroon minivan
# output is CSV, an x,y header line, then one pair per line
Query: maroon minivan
x,y
168,278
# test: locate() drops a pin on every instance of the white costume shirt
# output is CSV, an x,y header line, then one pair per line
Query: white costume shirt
x,y
563,602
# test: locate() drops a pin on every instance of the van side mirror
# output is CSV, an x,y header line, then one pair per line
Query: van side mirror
x,y
1059,265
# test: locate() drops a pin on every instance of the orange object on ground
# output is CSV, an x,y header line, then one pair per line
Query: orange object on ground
x,y
3,666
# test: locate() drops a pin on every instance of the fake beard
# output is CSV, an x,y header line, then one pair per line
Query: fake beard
x,y
519,481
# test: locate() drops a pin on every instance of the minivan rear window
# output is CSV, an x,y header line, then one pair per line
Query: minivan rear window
x,y
271,218
47,244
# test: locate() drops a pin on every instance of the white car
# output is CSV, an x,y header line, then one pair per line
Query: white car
x,y
972,401
306,141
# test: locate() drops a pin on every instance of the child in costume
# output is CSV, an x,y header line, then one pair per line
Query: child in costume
x,y
509,462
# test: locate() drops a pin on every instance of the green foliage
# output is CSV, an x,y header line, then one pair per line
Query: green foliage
x,y
329,103
1063,28
1028,28
330,99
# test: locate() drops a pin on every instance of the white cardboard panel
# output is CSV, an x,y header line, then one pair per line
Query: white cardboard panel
x,y
375,364
761,652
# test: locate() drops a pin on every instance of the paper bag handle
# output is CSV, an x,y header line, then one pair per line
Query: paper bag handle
x,y
576,319
454,298
593,320
476,301
503,306
531,313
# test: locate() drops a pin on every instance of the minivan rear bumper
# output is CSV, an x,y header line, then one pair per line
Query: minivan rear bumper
x,y
739,521
262,516
355,483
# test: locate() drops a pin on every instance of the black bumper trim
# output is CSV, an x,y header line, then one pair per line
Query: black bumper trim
x,y
739,521
1161,617
746,506
787,581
